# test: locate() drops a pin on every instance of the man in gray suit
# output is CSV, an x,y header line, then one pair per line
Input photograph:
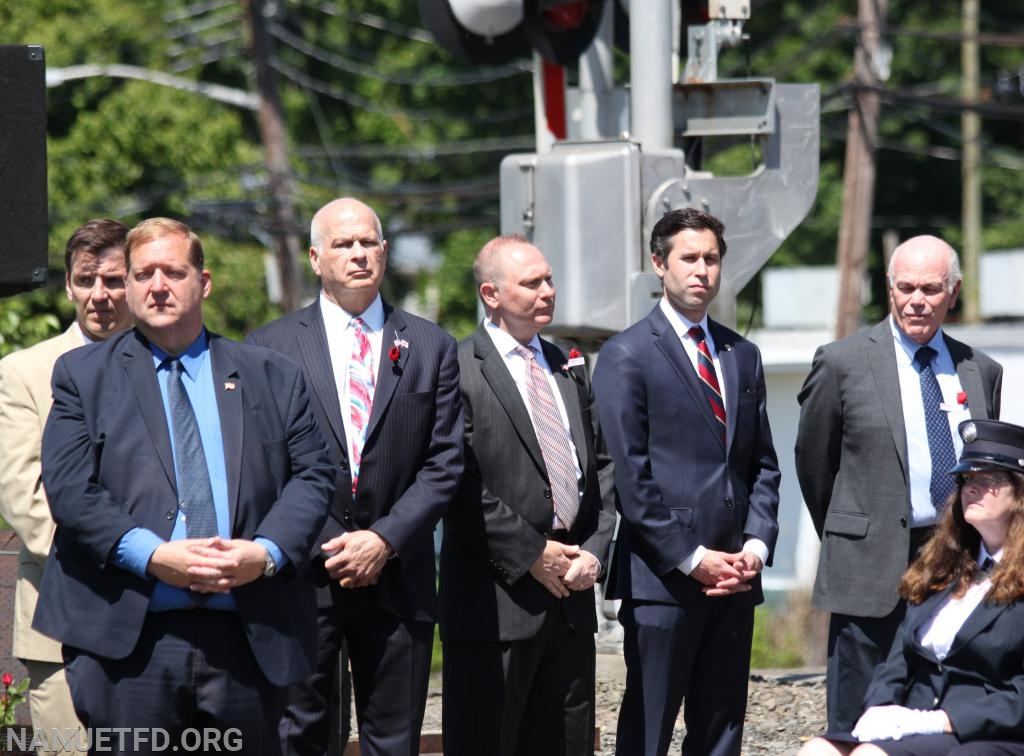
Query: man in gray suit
x,y
528,534
879,411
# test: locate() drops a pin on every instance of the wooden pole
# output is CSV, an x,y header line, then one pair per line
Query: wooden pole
x,y
859,169
283,225
970,166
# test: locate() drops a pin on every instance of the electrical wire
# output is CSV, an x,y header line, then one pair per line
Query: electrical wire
x,y
336,93
340,63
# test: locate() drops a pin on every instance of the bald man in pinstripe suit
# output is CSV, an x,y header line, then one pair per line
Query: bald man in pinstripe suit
x,y
398,455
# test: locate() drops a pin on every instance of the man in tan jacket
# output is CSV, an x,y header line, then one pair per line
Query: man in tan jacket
x,y
95,265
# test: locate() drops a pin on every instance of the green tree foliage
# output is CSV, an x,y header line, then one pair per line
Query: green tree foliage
x,y
132,149
918,185
375,109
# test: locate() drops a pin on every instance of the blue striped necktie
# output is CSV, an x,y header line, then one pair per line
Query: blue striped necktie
x,y
195,494
940,438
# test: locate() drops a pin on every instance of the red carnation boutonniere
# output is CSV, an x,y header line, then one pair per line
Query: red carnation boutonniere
x,y
961,399
395,351
575,360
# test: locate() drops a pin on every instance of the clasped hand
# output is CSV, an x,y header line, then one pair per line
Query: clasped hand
x,y
208,565
563,567
723,574
356,559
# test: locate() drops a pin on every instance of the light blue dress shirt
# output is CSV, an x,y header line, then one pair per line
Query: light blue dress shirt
x,y
137,545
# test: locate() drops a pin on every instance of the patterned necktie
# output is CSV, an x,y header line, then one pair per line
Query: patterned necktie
x,y
195,493
940,439
553,440
708,377
360,391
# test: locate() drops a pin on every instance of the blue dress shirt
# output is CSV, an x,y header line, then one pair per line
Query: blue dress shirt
x,y
137,545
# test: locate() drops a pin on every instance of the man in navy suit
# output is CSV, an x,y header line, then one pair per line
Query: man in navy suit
x,y
386,395
188,482
682,406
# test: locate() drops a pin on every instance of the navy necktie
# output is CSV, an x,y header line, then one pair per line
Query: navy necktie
x,y
940,439
195,494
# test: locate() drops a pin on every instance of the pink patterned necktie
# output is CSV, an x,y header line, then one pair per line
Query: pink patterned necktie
x,y
553,440
360,391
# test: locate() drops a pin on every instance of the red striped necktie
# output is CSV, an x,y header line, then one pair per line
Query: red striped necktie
x,y
708,377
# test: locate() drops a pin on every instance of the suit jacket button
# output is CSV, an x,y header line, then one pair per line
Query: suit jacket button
x,y
903,522
170,514
347,517
547,493
935,701
728,502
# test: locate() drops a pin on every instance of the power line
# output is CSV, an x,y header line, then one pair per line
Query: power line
x,y
993,110
422,151
371,20
484,76
362,103
993,40
228,95
992,159
198,9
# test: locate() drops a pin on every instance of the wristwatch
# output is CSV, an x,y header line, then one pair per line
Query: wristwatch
x,y
269,565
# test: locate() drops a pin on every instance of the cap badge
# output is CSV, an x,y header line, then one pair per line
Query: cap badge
x,y
969,433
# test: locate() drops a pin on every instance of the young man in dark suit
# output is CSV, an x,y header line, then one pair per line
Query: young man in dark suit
x,y
682,406
528,534
385,387
188,482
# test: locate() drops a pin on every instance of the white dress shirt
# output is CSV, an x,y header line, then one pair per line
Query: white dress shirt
x,y
938,633
339,343
506,345
919,458
86,338
682,325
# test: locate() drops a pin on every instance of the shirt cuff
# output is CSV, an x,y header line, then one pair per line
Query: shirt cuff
x,y
280,560
757,546
689,564
135,549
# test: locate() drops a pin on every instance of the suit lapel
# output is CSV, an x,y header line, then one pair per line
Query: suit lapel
x,y
495,373
388,373
137,360
882,361
566,383
667,342
970,378
981,618
228,388
316,356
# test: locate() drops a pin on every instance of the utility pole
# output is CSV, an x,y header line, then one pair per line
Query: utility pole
x,y
859,169
970,166
275,148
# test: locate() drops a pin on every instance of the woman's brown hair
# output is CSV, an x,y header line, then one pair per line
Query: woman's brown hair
x,y
949,557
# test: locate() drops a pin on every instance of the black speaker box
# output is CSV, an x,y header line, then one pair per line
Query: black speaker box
x,y
23,219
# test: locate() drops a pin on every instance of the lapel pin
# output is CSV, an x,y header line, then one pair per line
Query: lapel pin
x,y
229,385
